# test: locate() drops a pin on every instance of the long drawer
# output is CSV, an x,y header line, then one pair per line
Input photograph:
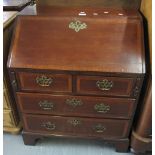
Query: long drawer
x,y
40,82
108,86
101,128
76,105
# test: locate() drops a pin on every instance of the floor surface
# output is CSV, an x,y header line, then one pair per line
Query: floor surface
x,y
13,145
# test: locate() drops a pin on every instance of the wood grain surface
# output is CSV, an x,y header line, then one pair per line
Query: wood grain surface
x,y
32,103
87,127
109,45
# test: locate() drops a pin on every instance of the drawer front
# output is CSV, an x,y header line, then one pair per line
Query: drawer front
x,y
75,105
104,128
45,82
8,120
110,86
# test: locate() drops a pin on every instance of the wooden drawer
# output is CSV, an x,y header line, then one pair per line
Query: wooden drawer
x,y
45,82
8,119
76,105
110,86
76,126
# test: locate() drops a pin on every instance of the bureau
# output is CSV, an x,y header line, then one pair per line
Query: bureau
x,y
78,73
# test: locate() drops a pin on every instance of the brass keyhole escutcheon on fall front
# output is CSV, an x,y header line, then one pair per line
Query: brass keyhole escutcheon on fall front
x,y
77,25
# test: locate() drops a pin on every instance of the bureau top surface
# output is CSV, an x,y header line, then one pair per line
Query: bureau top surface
x,y
105,44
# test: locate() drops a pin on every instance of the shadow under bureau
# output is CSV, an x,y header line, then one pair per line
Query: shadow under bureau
x,y
78,76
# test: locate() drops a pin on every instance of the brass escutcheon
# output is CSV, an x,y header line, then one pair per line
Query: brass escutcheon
x,y
49,125
74,102
77,25
74,122
99,128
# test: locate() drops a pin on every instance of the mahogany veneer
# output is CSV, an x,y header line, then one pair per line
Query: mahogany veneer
x,y
83,126
122,86
88,106
62,82
78,82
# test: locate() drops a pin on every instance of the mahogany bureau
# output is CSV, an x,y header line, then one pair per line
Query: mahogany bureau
x,y
78,73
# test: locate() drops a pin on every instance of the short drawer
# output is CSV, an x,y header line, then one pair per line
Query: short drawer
x,y
76,105
45,82
8,120
110,86
103,128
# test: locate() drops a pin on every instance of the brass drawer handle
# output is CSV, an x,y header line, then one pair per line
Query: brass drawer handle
x,y
49,126
99,128
46,105
44,81
74,102
74,122
104,84
102,108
